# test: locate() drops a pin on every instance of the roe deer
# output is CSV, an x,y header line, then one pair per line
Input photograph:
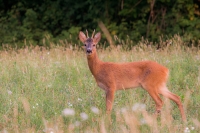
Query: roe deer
x,y
120,76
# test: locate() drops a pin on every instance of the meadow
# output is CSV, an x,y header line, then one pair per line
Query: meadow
x,y
53,91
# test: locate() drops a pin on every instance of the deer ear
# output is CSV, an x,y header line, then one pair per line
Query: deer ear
x,y
97,38
82,37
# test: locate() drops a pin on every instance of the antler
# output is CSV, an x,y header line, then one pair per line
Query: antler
x,y
93,34
87,34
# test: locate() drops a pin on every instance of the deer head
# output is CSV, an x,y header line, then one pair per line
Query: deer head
x,y
89,42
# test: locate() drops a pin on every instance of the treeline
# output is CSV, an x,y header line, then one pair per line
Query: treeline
x,y
29,22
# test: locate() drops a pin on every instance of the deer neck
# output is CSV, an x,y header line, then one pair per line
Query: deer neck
x,y
93,63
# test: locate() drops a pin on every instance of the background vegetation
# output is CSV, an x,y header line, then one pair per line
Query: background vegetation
x,y
53,91
34,20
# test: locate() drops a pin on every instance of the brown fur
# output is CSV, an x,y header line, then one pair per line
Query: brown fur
x,y
117,76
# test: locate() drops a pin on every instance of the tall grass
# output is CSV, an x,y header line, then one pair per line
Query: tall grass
x,y
52,90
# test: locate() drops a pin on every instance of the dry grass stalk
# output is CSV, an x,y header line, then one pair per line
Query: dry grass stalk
x,y
107,34
26,105
102,127
55,126
132,122
15,120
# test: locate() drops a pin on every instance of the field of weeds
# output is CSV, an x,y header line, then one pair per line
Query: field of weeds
x,y
53,91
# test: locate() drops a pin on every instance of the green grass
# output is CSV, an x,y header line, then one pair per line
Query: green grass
x,y
36,85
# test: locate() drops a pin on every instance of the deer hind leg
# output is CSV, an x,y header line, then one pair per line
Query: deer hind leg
x,y
166,93
154,94
109,100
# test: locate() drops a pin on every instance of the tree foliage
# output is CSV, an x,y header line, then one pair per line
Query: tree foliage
x,y
62,19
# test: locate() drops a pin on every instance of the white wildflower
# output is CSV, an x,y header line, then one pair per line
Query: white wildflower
x,y
95,110
138,107
123,110
142,106
192,128
135,107
84,116
48,130
167,61
9,92
4,131
79,99
197,57
77,123
70,105
68,112
142,121
186,130
49,85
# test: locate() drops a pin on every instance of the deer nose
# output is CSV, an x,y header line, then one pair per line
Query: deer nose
x,y
89,50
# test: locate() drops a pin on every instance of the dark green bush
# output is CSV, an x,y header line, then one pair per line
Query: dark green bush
x,y
63,19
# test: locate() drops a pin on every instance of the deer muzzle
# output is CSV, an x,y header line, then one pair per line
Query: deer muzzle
x,y
89,50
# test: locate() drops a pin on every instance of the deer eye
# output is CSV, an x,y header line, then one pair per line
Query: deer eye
x,y
85,45
94,45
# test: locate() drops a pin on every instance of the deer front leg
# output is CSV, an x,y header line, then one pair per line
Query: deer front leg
x,y
109,100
